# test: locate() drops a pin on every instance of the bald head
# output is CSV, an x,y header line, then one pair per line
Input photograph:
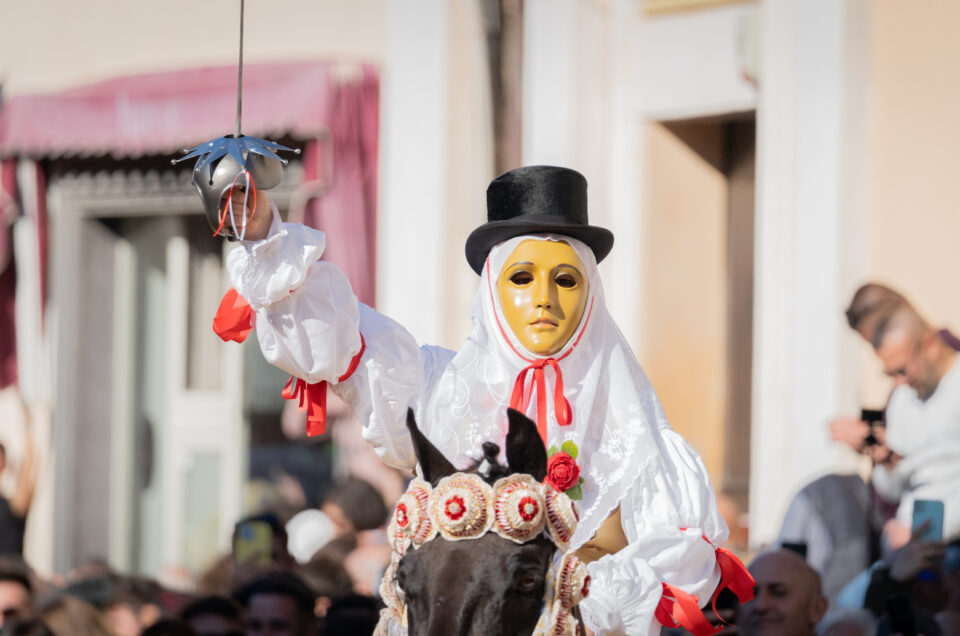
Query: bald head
x,y
789,601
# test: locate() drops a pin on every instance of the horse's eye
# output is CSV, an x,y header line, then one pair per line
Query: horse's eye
x,y
528,582
521,278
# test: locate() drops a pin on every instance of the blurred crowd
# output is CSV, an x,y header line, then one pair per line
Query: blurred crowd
x,y
857,555
312,573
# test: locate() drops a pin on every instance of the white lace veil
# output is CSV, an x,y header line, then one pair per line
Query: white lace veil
x,y
616,414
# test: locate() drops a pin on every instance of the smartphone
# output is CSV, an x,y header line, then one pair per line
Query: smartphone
x,y
253,543
928,510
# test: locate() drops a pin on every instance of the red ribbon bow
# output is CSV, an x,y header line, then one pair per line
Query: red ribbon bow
x,y
520,399
522,393
678,608
313,397
682,609
733,576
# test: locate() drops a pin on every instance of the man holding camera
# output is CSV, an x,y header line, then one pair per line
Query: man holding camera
x,y
916,453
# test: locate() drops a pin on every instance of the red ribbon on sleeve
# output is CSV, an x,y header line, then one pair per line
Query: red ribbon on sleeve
x,y
234,319
678,608
313,397
682,609
734,576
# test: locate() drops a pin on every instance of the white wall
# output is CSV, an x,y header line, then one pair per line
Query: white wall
x,y
806,251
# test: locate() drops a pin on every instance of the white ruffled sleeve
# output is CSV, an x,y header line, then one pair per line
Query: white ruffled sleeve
x,y
309,324
672,525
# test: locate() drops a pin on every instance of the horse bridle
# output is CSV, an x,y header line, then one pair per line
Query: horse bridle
x,y
463,506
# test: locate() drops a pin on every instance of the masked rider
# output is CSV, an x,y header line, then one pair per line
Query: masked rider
x,y
542,342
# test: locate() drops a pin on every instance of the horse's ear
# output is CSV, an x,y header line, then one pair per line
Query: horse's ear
x,y
432,462
525,450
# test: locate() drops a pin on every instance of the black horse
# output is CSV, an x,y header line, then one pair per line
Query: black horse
x,y
488,586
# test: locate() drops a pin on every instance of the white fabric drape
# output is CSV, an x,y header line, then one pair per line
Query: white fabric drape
x,y
308,323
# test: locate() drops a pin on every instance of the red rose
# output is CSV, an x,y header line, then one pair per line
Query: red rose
x,y
562,472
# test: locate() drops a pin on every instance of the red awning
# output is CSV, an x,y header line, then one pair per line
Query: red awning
x,y
160,113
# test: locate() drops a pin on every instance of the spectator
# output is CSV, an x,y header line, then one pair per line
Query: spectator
x,y
278,558
133,605
217,579
16,592
788,597
214,616
351,615
69,616
949,617
834,518
355,506
848,622
30,627
278,604
328,578
923,415
169,627
897,574
308,531
871,304
13,511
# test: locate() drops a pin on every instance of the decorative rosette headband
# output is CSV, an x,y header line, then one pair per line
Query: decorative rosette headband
x,y
463,506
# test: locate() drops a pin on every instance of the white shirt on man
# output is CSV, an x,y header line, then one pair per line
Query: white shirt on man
x,y
927,434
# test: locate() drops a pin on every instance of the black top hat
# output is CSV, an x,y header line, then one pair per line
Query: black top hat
x,y
536,200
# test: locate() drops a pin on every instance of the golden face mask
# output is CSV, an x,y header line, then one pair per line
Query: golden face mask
x,y
543,292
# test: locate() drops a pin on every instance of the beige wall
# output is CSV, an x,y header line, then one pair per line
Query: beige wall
x,y
50,44
914,226
683,346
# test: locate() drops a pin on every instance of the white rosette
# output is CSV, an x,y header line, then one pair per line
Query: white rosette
x,y
570,585
519,509
562,518
461,507
411,523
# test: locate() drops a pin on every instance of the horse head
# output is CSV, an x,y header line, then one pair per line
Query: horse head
x,y
496,583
